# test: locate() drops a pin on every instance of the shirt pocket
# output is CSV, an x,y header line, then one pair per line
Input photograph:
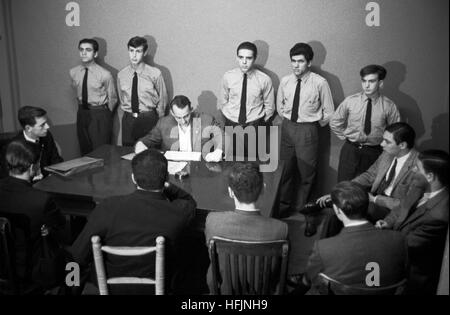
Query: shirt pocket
x,y
312,102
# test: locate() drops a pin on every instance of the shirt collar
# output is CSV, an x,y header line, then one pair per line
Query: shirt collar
x,y
139,69
433,194
248,212
357,223
403,159
29,139
374,99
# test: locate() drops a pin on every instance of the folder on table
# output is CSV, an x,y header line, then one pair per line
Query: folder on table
x,y
74,166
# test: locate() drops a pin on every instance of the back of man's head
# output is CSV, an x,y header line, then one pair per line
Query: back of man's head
x,y
180,101
351,199
20,155
149,169
402,132
436,162
27,115
246,182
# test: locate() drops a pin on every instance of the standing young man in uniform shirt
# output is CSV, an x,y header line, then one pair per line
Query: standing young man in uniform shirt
x,y
246,95
304,102
96,95
360,120
142,93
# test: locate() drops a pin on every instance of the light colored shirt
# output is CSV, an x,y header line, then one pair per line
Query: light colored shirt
x,y
260,95
316,101
100,85
400,162
349,118
428,196
184,137
152,91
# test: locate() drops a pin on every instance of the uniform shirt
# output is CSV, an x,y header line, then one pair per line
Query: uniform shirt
x,y
316,102
152,91
349,118
100,85
260,95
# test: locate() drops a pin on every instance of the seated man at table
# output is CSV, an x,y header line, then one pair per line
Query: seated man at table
x,y
185,130
245,183
350,256
156,208
36,132
26,208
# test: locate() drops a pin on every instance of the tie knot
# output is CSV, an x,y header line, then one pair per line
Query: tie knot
x,y
86,69
245,75
369,100
135,74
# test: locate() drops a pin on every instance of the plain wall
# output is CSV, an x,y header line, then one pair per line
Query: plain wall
x,y
193,43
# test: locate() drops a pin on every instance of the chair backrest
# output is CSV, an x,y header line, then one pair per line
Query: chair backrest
x,y
247,267
7,272
102,278
330,286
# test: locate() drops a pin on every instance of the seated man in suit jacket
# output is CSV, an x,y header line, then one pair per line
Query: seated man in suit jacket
x,y
424,222
156,208
346,257
245,223
185,130
36,132
389,179
26,208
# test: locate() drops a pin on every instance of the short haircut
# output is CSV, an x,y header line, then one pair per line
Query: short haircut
x,y
149,169
138,41
302,49
180,101
373,69
351,198
249,46
20,155
436,162
402,132
91,41
246,182
27,115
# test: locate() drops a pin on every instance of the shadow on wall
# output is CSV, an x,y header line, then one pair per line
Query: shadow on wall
x,y
66,138
326,174
150,59
207,103
439,134
261,61
408,107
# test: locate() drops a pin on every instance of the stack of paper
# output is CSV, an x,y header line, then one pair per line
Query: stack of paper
x,y
183,156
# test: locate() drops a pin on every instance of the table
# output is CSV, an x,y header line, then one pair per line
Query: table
x,y
207,183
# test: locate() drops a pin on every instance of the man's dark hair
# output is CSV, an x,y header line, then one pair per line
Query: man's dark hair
x,y
180,101
249,46
19,156
91,41
27,115
138,41
302,49
436,162
149,169
402,132
246,182
351,198
373,69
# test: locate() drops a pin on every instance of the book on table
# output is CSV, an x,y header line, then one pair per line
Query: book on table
x,y
74,166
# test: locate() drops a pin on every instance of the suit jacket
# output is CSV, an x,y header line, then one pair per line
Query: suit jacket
x,y
245,226
47,148
136,220
402,185
27,209
425,229
345,256
165,134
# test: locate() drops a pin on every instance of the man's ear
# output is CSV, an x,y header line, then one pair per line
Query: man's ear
x,y
309,64
96,54
403,145
146,52
381,84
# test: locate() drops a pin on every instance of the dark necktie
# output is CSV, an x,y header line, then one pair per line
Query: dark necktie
x,y
386,182
134,95
296,103
367,122
243,110
84,91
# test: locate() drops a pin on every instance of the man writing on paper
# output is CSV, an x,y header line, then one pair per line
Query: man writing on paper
x,y
185,130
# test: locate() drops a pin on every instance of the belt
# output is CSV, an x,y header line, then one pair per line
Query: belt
x,y
360,145
90,107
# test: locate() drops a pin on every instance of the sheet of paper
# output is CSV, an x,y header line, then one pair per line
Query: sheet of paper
x,y
129,156
175,167
183,156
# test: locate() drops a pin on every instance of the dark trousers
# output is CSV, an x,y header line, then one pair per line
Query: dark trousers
x,y
134,128
355,160
248,145
94,128
299,150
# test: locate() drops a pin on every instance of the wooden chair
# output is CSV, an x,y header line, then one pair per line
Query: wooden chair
x,y
102,278
248,268
330,286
